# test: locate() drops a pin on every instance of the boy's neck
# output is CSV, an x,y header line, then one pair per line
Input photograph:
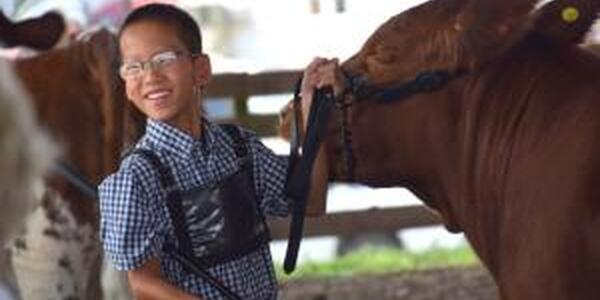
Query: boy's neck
x,y
195,129
198,130
192,127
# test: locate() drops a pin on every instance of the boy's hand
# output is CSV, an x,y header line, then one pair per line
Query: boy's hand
x,y
321,72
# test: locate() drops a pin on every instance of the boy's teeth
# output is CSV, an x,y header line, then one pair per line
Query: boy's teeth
x,y
157,95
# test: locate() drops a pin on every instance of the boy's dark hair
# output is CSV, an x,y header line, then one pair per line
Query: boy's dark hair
x,y
185,26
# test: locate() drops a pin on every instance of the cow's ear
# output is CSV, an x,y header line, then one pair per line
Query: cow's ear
x,y
566,21
40,33
490,27
6,29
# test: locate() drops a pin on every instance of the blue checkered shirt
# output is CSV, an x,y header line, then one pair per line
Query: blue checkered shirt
x,y
134,217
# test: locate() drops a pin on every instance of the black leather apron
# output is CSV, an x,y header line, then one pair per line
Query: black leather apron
x,y
218,223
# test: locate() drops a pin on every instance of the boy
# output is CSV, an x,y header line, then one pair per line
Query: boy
x,y
201,188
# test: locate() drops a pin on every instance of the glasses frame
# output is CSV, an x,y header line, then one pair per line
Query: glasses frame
x,y
158,61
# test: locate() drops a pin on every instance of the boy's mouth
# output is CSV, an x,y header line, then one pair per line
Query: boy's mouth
x,y
157,95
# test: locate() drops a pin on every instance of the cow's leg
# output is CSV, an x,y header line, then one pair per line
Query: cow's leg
x,y
57,258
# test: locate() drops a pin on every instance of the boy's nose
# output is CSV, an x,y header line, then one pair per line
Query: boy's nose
x,y
151,73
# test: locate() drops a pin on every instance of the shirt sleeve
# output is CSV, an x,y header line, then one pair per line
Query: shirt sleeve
x,y
130,229
270,174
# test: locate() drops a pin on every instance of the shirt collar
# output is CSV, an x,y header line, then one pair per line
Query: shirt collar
x,y
176,142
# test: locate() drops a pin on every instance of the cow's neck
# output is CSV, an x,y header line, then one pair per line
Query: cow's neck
x,y
433,160
444,163
423,146
412,144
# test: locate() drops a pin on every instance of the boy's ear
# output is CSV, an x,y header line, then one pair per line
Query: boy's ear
x,y
202,70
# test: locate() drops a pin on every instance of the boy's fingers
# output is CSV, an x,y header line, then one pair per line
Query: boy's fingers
x,y
315,63
321,72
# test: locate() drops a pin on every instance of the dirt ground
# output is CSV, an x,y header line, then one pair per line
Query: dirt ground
x,y
470,283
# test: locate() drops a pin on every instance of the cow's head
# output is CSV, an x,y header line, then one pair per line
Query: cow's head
x,y
405,141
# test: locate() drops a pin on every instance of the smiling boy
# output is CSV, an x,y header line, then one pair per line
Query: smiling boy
x,y
189,184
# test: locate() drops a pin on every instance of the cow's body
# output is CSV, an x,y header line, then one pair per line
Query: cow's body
x,y
522,172
78,98
506,152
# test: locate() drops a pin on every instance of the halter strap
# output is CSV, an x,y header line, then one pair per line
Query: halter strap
x,y
425,82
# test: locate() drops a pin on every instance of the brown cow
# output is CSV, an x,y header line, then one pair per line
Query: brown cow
x,y
80,100
506,150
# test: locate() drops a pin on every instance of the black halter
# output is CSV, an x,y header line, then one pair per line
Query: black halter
x,y
424,82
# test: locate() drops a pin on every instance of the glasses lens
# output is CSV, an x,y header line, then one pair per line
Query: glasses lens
x,y
131,70
164,59
158,61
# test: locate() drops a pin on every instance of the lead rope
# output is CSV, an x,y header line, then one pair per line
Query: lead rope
x,y
300,169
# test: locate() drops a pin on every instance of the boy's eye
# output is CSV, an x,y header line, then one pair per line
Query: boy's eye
x,y
157,62
134,67
164,59
131,69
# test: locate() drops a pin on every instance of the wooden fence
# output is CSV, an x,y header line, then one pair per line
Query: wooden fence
x,y
239,88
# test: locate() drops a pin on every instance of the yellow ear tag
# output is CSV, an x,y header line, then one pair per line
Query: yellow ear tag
x,y
570,14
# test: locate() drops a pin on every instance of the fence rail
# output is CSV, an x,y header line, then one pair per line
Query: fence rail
x,y
240,87
346,224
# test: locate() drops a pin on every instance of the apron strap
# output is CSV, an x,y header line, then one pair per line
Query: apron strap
x,y
184,254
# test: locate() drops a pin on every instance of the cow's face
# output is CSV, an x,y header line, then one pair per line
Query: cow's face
x,y
427,37
424,38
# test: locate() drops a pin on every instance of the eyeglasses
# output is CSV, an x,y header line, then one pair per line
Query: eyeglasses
x,y
160,61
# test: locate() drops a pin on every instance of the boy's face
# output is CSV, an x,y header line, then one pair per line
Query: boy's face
x,y
162,91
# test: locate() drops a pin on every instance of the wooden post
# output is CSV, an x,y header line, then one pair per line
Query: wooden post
x,y
340,6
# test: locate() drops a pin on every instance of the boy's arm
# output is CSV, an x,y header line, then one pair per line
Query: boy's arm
x,y
147,283
317,198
